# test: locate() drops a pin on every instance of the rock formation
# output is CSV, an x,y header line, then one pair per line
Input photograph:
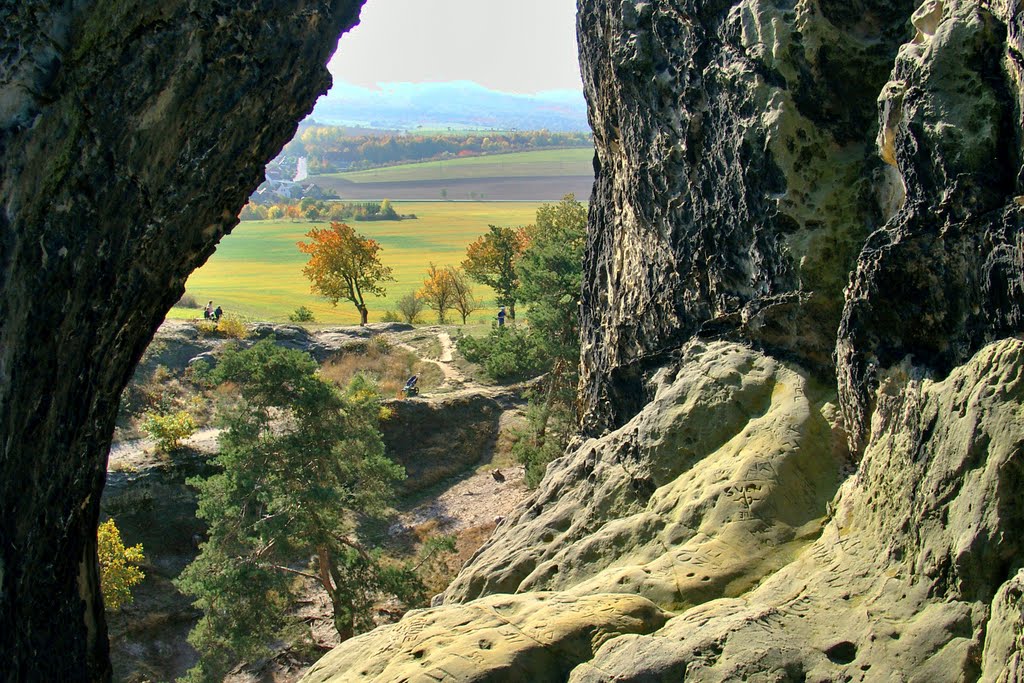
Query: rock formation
x,y
131,133
800,375
803,389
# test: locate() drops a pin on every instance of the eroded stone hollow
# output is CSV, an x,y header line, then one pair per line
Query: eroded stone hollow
x,y
802,366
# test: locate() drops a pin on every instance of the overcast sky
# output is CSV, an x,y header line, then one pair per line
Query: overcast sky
x,y
511,45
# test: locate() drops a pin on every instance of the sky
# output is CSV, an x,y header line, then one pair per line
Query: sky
x,y
520,46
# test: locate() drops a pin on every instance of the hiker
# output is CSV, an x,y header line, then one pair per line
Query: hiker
x,y
501,317
217,313
208,311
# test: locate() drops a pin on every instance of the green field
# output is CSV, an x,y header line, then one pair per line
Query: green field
x,y
543,163
257,270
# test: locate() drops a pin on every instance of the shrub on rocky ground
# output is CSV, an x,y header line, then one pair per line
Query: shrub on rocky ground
x,y
169,429
505,354
302,315
387,366
228,327
187,301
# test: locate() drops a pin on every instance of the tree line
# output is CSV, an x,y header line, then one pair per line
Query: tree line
x,y
309,209
329,148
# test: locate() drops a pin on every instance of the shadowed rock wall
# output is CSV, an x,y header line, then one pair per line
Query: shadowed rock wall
x,y
946,274
738,178
131,132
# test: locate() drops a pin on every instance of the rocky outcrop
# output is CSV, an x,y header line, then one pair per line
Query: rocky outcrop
x,y
534,637
913,567
737,178
802,364
445,435
734,458
131,133
899,583
805,233
946,274
180,343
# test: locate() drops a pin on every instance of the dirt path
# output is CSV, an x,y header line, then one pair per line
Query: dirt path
x,y
136,454
478,499
453,377
447,348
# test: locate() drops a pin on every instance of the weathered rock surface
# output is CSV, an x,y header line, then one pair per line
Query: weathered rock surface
x,y
734,458
131,133
901,584
737,178
946,274
536,637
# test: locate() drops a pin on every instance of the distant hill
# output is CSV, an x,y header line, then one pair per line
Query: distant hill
x,y
456,105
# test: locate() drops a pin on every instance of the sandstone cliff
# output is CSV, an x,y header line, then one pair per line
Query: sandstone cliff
x,y
802,383
131,132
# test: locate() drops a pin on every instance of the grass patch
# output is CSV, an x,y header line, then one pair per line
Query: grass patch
x,y
545,163
256,272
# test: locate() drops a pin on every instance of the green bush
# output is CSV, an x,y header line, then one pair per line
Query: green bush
x,y
506,353
535,457
169,429
390,317
302,315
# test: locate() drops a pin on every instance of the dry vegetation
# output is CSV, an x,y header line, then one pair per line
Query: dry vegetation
x,y
438,574
388,366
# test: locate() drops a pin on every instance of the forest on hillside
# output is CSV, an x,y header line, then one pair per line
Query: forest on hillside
x,y
331,149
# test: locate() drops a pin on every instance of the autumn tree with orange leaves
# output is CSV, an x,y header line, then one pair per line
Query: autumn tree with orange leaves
x,y
344,265
491,260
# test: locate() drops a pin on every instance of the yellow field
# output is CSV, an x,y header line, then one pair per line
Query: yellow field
x,y
257,270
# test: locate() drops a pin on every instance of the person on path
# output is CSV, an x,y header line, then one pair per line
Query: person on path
x,y
217,314
208,311
501,317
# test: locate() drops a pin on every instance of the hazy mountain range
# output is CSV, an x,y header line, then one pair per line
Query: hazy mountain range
x,y
455,104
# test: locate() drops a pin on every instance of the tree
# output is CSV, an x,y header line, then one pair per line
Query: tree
x,y
118,573
410,306
463,300
551,271
438,292
387,210
344,265
491,261
301,461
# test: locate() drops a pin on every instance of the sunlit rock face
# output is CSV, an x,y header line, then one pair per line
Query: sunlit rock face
x,y
131,133
802,365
